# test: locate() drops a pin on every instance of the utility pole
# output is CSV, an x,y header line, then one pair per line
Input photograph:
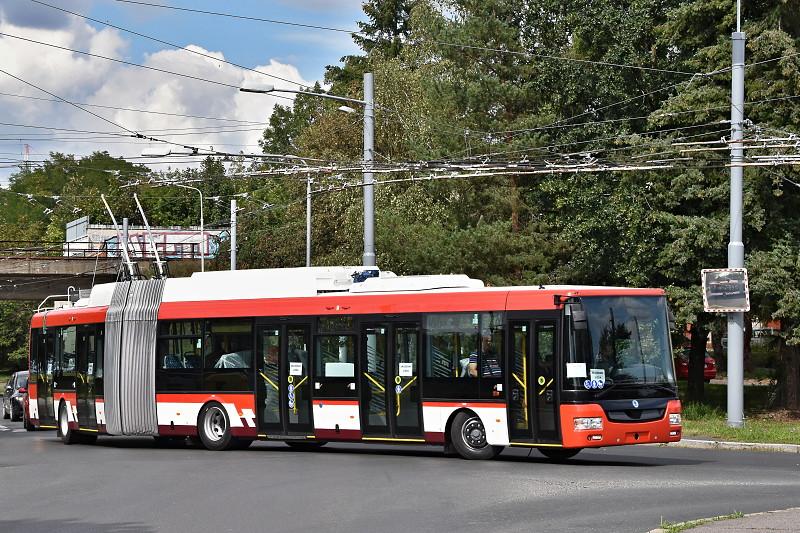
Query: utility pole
x,y
736,245
125,233
368,258
308,220
233,234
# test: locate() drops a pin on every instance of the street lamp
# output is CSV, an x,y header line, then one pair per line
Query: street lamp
x,y
202,232
368,258
163,151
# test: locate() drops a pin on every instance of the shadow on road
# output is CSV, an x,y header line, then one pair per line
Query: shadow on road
x,y
71,525
510,455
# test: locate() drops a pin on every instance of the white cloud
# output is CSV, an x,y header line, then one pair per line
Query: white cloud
x,y
100,82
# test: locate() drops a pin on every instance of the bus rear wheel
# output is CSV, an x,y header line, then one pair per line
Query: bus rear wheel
x,y
67,435
468,437
559,454
214,427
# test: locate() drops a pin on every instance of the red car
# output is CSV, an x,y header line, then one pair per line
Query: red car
x,y
682,367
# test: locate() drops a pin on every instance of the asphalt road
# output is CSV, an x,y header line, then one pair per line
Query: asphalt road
x,y
125,484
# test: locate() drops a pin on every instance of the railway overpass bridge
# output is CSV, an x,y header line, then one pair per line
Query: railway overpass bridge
x,y
33,271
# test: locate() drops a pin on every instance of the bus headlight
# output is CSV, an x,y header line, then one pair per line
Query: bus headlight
x,y
587,424
675,419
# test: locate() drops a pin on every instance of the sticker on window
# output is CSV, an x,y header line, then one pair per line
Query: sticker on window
x,y
406,369
598,375
576,370
296,369
90,369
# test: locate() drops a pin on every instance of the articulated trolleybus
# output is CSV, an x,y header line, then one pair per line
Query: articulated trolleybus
x,y
312,355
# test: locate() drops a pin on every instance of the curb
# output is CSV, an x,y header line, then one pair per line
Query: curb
x,y
706,521
735,446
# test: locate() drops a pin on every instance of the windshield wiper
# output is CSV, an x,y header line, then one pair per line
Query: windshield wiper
x,y
613,385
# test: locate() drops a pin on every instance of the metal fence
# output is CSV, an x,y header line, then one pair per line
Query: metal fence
x,y
81,250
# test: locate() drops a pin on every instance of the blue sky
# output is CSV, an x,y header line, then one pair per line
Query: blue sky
x,y
289,52
244,42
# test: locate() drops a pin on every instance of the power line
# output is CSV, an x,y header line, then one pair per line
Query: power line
x,y
98,56
443,43
250,122
169,43
67,101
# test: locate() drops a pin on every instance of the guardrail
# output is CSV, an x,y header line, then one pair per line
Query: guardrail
x,y
83,250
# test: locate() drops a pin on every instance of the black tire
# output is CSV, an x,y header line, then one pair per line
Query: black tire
x,y
468,437
26,423
559,454
67,435
214,428
16,416
307,445
6,414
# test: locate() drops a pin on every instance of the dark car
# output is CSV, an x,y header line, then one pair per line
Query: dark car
x,y
682,366
14,396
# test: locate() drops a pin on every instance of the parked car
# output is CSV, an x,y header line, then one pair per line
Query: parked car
x,y
14,396
682,366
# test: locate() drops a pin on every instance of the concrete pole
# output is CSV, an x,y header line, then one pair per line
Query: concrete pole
x,y
736,245
124,242
233,234
308,220
369,192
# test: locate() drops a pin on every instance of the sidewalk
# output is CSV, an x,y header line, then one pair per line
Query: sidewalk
x,y
784,520
711,444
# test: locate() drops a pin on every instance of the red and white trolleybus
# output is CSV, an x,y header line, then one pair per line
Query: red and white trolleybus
x,y
311,355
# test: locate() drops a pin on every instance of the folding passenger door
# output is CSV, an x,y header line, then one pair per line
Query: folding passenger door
x,y
532,381
283,389
85,378
390,388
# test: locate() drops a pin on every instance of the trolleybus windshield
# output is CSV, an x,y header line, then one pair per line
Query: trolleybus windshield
x,y
621,340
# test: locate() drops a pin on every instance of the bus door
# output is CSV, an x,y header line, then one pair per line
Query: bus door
x,y
85,378
46,357
390,388
532,384
283,388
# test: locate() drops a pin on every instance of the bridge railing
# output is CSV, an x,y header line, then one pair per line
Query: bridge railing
x,y
84,250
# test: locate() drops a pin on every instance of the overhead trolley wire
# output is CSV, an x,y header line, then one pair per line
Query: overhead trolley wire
x,y
249,122
443,43
156,39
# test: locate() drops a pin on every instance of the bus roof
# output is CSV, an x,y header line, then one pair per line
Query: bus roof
x,y
329,290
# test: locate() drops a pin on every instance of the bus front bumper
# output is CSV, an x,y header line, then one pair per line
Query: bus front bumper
x,y
586,426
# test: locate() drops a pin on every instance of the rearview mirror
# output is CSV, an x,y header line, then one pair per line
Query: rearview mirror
x,y
578,314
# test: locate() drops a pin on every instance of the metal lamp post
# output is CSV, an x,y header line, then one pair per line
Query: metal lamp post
x,y
202,231
368,258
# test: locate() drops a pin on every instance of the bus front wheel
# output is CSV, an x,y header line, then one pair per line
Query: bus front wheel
x,y
468,437
68,436
214,428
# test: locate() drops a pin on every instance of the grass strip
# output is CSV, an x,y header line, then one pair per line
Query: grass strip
x,y
669,527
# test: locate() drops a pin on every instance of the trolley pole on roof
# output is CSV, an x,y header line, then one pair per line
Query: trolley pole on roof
x,y
736,245
233,234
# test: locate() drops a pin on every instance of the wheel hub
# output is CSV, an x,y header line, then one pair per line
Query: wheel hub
x,y
215,424
474,433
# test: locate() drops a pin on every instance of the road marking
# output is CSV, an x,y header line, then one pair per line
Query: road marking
x,y
3,428
19,430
